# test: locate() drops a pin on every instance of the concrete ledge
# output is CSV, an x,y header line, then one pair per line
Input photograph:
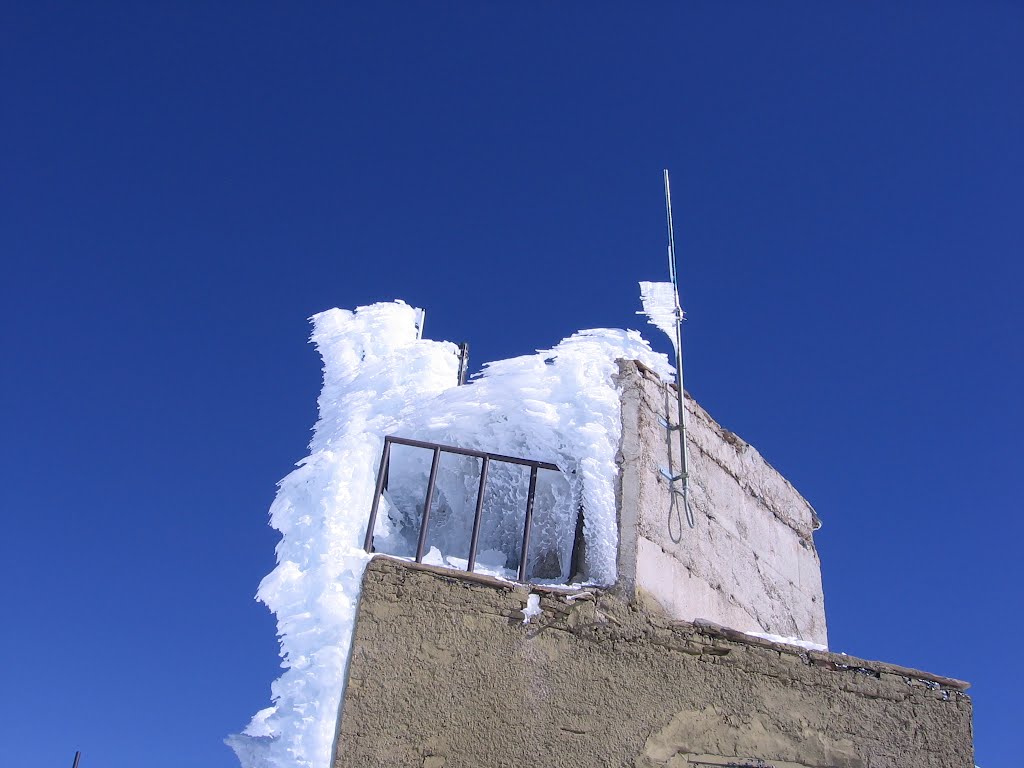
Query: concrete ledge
x,y
838,662
484,579
834,662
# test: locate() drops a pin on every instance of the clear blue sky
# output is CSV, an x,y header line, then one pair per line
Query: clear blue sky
x,y
184,184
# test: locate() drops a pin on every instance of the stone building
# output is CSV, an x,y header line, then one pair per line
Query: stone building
x,y
709,650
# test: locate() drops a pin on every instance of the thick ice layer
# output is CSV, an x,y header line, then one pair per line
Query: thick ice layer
x,y
559,405
659,302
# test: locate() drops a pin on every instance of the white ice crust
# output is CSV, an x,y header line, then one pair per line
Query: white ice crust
x,y
532,608
808,644
659,302
560,405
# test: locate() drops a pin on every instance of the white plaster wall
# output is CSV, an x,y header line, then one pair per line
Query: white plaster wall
x,y
749,563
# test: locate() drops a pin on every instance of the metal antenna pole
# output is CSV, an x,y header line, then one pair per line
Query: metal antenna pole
x,y
683,476
463,362
78,756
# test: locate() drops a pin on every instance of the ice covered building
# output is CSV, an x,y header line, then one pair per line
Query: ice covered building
x,y
511,579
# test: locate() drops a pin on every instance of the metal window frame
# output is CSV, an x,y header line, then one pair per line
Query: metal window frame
x,y
486,459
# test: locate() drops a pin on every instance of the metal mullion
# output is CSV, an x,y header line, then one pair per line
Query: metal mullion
x,y
382,473
525,551
478,517
425,520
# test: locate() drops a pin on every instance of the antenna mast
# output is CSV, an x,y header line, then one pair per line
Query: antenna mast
x,y
683,477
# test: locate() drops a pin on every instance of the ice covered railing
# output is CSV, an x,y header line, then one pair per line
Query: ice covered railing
x,y
473,503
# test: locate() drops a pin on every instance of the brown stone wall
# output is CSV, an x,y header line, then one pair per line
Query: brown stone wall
x,y
445,674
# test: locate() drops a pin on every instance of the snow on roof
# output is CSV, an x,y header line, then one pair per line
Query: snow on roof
x,y
559,405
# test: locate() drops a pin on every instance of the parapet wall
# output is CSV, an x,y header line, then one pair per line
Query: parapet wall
x,y
749,562
444,673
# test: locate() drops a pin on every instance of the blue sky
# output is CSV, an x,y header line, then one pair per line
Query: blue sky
x,y
182,186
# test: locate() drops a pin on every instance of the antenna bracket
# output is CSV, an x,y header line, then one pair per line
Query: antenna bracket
x,y
673,478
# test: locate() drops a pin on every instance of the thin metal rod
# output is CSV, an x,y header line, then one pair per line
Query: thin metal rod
x,y
78,756
382,474
684,475
425,521
671,237
471,452
578,544
528,525
475,538
463,362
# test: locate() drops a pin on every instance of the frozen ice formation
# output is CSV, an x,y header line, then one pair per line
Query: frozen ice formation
x,y
559,405
659,304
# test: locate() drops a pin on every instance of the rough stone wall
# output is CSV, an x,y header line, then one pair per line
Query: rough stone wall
x,y
444,673
749,562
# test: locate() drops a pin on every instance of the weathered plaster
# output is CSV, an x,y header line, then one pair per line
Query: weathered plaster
x,y
445,674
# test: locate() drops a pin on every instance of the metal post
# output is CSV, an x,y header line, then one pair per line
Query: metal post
x,y
475,538
578,545
684,475
425,521
382,474
463,362
529,523
78,756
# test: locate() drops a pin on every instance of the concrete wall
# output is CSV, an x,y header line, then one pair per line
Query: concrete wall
x,y
445,674
749,562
